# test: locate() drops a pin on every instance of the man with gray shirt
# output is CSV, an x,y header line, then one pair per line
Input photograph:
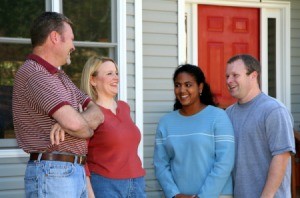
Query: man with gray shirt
x,y
264,135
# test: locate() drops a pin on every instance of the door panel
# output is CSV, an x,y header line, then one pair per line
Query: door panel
x,y
222,33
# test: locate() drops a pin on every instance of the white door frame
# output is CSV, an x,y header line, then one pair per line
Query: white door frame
x,y
188,49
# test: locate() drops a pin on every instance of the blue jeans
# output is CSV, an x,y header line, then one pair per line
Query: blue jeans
x,y
118,188
55,179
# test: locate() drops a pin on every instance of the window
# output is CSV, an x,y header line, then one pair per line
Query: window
x,y
272,57
94,26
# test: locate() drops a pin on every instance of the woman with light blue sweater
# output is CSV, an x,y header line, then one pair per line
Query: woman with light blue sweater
x,y
194,144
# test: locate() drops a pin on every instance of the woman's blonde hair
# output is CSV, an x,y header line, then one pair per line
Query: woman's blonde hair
x,y
90,70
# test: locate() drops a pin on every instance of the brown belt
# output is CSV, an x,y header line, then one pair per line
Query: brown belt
x,y
81,159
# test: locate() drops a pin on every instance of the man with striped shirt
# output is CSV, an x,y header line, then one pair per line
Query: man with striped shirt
x,y
48,120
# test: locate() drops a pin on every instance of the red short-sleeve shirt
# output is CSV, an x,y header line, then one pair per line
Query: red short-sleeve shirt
x,y
113,149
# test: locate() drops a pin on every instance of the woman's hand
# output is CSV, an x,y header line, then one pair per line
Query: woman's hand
x,y
89,188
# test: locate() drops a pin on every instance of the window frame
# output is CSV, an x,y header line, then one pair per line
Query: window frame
x,y
117,50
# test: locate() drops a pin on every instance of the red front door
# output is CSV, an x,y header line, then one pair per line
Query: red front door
x,y
222,33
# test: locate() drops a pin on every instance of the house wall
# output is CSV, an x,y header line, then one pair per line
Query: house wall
x,y
12,169
130,50
160,58
295,62
12,177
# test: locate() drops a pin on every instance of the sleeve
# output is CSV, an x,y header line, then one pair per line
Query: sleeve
x,y
124,105
162,165
86,102
280,133
224,158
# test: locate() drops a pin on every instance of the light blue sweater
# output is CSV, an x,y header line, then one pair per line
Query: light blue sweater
x,y
195,154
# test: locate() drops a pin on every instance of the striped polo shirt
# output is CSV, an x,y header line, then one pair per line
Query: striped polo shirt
x,y
39,90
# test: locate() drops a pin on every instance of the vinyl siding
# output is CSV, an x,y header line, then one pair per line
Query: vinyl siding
x,y
130,50
160,60
295,61
12,177
12,170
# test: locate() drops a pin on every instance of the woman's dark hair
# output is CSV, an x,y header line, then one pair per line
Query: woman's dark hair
x,y
206,97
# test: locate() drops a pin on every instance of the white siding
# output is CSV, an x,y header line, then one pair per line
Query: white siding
x,y
160,60
12,177
130,50
295,61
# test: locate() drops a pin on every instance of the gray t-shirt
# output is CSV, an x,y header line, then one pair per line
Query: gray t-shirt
x,y
263,128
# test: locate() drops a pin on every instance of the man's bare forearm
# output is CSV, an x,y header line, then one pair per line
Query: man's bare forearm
x,y
93,115
73,122
275,175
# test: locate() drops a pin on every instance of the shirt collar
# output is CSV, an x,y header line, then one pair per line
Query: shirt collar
x,y
51,69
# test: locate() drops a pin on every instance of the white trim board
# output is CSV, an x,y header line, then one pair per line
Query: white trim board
x,y
122,53
139,74
269,9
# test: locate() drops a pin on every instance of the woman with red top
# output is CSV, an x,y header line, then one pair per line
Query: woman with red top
x,y
114,166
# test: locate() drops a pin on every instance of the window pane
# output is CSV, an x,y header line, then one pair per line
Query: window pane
x,y
17,16
78,58
12,57
272,57
92,22
91,19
